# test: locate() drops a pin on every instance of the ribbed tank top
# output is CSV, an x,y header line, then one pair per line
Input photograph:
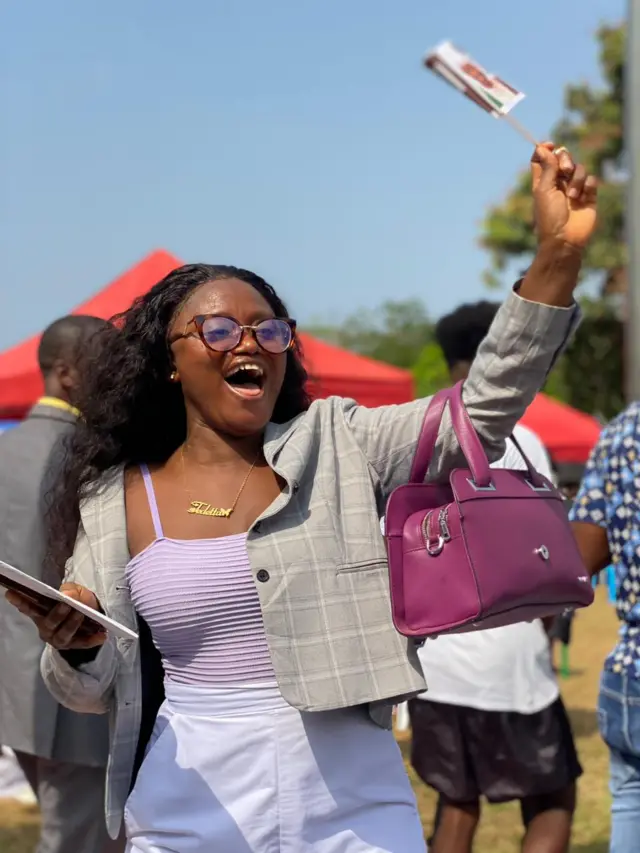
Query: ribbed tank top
x,y
199,600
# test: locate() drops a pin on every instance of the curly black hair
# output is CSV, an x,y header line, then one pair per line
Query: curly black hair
x,y
460,333
131,412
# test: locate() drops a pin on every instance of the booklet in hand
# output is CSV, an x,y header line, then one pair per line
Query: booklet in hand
x,y
46,597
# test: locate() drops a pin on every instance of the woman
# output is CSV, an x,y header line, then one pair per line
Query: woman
x,y
238,525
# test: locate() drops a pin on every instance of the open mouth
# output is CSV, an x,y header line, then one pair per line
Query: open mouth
x,y
247,380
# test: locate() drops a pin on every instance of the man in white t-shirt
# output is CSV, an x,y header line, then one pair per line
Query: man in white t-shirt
x,y
502,669
492,723
13,783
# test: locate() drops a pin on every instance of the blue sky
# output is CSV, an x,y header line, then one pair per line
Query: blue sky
x,y
300,139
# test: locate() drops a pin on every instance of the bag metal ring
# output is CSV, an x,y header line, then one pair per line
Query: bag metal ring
x,y
434,549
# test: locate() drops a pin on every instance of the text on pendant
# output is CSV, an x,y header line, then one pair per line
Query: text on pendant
x,y
201,508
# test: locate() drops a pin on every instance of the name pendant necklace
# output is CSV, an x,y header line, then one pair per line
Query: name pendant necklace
x,y
204,508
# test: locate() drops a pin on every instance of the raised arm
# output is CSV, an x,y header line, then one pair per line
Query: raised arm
x,y
529,332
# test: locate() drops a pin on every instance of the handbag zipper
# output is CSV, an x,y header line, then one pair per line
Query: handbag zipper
x,y
443,521
434,539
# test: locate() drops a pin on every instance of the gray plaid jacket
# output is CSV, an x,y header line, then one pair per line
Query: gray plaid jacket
x,y
325,600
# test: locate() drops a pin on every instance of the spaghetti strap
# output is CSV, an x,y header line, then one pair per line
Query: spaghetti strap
x,y
153,504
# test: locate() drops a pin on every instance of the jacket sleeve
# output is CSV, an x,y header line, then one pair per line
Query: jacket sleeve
x,y
87,688
510,367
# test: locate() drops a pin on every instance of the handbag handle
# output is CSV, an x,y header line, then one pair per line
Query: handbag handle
x,y
468,440
428,436
473,450
535,477
464,432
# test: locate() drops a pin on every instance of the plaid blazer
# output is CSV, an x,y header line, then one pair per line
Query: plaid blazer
x,y
316,552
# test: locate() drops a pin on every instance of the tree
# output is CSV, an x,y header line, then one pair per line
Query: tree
x,y
592,130
430,371
395,333
590,375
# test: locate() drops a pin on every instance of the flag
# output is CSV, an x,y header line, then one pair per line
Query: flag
x,y
469,77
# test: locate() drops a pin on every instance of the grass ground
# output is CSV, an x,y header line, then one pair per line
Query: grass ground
x,y
594,633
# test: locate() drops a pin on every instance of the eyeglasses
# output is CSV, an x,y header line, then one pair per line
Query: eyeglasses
x,y
223,334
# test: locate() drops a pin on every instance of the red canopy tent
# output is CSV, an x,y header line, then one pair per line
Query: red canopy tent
x,y
568,435
332,370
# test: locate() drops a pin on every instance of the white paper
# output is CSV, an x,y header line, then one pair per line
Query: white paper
x,y
12,574
472,79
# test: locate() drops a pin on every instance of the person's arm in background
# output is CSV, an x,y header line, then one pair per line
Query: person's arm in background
x,y
588,514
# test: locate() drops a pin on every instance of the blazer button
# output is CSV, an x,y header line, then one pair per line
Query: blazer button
x,y
263,575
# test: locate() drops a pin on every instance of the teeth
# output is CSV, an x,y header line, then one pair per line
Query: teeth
x,y
248,368
251,368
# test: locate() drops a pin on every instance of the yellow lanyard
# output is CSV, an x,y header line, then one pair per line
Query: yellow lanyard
x,y
56,403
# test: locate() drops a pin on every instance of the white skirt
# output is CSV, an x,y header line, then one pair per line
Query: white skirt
x,y
257,776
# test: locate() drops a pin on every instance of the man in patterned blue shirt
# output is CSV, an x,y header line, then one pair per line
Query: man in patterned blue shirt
x,y
606,522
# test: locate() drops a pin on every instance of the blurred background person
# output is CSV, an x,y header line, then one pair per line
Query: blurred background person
x,y
560,628
63,755
607,527
492,723
13,784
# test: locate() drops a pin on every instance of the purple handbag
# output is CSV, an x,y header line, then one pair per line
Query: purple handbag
x,y
491,548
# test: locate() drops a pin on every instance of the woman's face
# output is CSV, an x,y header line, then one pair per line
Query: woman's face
x,y
234,409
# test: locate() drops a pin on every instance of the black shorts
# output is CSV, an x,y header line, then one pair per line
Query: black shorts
x,y
465,753
561,627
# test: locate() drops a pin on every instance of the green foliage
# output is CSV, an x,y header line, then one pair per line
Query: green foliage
x,y
430,372
590,375
592,130
556,385
395,333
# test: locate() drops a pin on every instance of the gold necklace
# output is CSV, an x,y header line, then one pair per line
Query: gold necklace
x,y
204,508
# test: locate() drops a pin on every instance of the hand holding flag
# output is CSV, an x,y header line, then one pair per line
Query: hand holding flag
x,y
564,198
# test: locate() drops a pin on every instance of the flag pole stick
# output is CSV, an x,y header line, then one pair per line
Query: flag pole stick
x,y
524,133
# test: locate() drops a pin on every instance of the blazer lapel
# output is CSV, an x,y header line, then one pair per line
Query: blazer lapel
x,y
286,454
105,525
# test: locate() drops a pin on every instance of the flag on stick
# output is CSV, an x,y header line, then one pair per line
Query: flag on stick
x,y
485,89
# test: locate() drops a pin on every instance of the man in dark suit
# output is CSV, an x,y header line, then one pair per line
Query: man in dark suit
x,y
62,754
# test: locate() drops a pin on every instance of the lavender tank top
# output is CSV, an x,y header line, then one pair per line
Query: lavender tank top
x,y
199,600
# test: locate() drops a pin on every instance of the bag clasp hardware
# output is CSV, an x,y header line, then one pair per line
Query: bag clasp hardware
x,y
433,543
434,547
